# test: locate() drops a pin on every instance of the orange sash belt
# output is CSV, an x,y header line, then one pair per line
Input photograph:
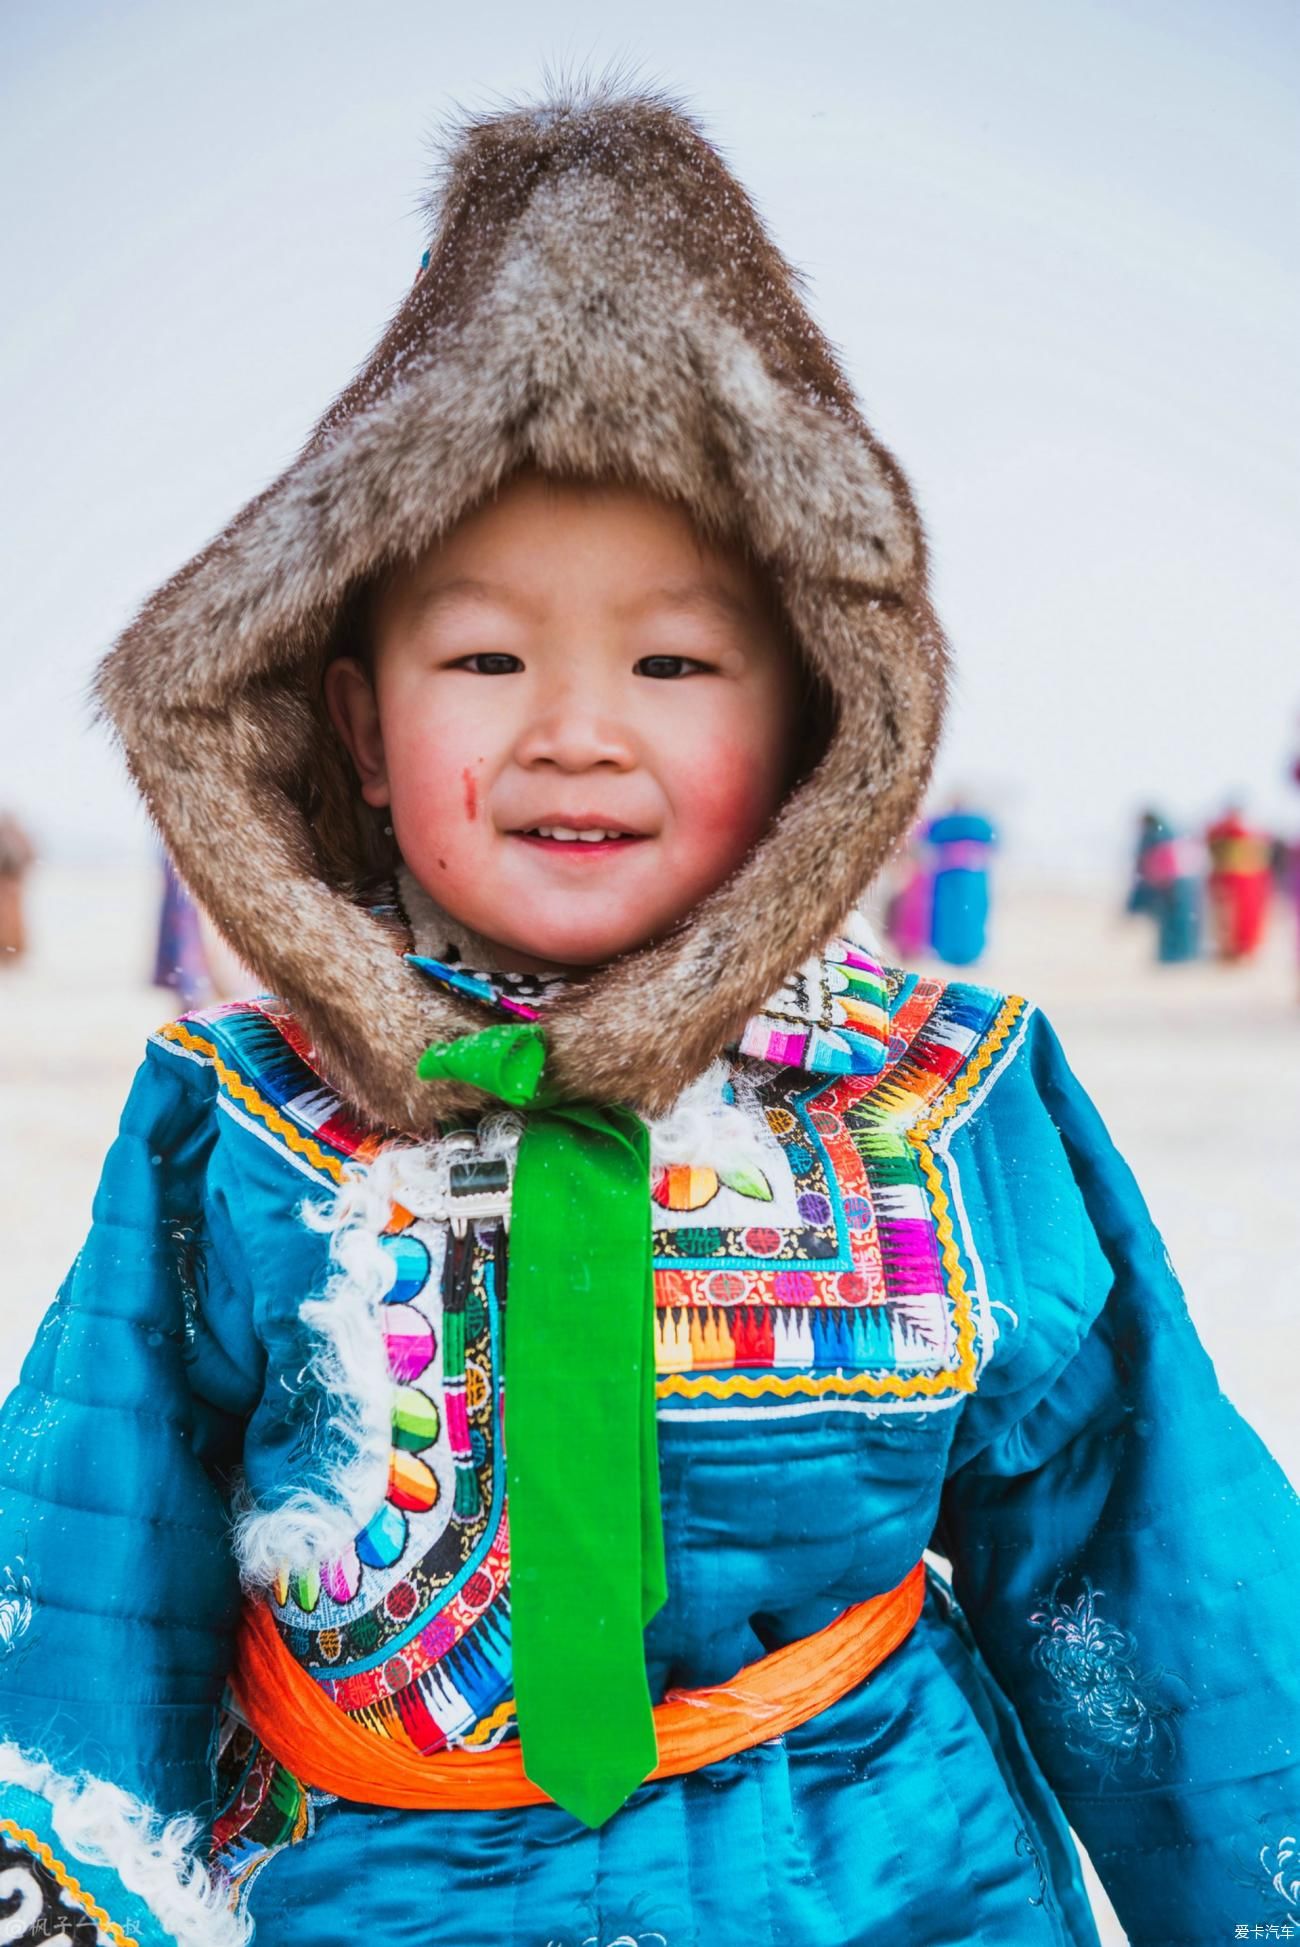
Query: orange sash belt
x,y
325,1748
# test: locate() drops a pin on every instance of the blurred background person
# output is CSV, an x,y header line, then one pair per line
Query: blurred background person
x,y
1240,884
909,912
1151,830
1293,888
1293,877
17,856
961,842
180,957
1170,870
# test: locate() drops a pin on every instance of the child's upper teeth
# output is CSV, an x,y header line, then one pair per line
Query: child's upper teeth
x,y
567,833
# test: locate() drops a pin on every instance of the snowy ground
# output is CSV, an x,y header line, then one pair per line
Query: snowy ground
x,y
1196,1069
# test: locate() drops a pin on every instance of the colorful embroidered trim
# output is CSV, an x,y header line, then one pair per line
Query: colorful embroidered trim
x,y
263,1809
829,1018
284,1093
923,1312
832,1018
490,991
868,1301
962,1310
412,1635
497,1723
71,1886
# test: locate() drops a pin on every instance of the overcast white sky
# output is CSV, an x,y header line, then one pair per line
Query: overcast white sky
x,y
1054,239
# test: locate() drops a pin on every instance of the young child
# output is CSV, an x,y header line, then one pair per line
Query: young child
x,y
572,1306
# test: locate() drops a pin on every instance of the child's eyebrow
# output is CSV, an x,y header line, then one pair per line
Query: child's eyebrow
x,y
695,594
428,601
679,595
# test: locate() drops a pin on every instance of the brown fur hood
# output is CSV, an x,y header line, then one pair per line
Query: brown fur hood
x,y
601,299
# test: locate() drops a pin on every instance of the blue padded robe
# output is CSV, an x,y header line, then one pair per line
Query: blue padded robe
x,y
930,1311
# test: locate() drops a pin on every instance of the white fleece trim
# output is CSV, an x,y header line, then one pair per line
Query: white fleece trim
x,y
859,930
349,1363
101,1825
750,1410
704,1130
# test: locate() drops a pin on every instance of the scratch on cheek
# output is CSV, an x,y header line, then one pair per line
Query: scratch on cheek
x,y
471,793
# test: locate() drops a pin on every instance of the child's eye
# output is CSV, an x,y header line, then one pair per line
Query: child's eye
x,y
665,668
489,662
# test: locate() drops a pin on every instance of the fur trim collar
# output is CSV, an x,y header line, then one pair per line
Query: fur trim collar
x,y
600,298
831,1016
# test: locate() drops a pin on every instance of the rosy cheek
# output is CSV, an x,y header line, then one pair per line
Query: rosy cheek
x,y
726,795
435,799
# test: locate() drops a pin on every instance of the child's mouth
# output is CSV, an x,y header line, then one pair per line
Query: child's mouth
x,y
580,841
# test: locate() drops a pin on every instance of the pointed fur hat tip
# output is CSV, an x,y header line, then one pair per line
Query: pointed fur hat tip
x,y
600,299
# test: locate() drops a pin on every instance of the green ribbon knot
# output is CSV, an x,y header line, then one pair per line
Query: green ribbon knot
x,y
587,1566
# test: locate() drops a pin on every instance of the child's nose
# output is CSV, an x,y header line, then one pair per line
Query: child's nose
x,y
575,733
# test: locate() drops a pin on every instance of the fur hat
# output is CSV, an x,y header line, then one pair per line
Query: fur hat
x,y
599,299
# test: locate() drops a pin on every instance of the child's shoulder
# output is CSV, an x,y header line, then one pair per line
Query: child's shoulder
x,y
261,1071
948,1038
257,1040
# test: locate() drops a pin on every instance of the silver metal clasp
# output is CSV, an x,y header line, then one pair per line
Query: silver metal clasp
x,y
478,1187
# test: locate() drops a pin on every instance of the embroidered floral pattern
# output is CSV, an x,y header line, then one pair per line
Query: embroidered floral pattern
x,y
652,1939
1111,1709
1266,1868
1281,1866
15,1607
634,1928
1026,1849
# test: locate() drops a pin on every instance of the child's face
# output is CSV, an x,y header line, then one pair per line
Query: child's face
x,y
580,718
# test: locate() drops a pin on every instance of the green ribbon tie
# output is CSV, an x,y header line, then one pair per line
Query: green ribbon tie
x,y
582,1466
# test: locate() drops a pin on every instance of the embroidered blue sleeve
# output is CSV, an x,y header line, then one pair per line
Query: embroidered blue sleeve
x,y
118,1591
1126,1550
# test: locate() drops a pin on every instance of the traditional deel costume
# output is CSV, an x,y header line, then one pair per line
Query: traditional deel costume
x,y
576,1375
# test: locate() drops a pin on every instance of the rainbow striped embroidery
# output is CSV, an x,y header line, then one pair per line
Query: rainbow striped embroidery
x,y
410,1631
263,1065
831,1018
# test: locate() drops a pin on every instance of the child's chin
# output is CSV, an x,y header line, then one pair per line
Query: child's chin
x,y
587,946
